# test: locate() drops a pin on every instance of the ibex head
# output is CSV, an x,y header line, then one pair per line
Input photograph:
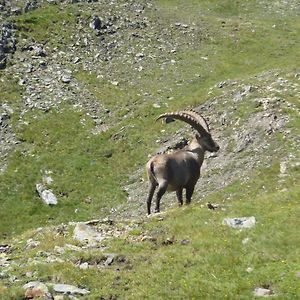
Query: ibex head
x,y
181,169
193,118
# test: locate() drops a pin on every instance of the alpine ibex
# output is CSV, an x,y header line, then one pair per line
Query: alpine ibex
x,y
181,169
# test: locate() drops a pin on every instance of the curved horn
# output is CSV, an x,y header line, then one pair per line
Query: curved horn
x,y
189,117
199,118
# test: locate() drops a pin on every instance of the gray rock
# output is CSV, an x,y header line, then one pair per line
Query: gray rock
x,y
245,222
84,266
30,5
7,43
86,234
109,260
31,244
66,78
262,292
69,289
39,51
243,140
16,10
35,284
47,195
96,23
36,289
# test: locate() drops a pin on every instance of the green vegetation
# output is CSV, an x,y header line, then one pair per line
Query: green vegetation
x,y
191,254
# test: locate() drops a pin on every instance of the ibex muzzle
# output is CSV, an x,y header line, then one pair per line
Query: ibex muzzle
x,y
181,169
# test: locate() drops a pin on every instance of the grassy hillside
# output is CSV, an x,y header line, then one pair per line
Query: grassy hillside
x,y
238,62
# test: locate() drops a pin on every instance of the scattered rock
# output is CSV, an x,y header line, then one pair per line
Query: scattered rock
x,y
168,241
69,289
95,23
245,222
36,289
109,260
242,142
262,292
86,234
211,206
59,250
245,241
31,244
84,266
30,5
148,238
47,195
5,248
66,78
283,169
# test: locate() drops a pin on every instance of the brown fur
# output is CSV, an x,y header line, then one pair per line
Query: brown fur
x,y
178,170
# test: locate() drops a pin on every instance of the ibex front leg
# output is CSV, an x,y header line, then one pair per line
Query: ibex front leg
x,y
179,197
189,193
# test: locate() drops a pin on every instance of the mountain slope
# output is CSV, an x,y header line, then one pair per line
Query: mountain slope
x,y
78,105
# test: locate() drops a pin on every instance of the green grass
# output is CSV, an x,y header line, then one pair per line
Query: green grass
x,y
50,24
213,264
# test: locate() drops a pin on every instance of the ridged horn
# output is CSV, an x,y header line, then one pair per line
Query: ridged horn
x,y
192,118
199,118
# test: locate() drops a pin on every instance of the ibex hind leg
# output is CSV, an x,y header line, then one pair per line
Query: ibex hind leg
x,y
162,187
150,196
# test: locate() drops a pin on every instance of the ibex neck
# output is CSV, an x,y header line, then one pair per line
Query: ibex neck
x,y
196,148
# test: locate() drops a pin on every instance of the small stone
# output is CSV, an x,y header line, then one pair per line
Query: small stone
x,y
36,289
66,78
31,244
139,55
109,260
47,195
86,234
69,289
245,222
184,242
211,206
168,241
59,250
84,266
262,292
76,60
16,10
4,248
95,23
156,105
47,180
245,241
148,238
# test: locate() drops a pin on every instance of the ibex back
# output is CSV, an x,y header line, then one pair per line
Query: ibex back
x,y
181,169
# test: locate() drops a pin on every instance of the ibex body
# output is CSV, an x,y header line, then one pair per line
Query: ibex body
x,y
181,169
